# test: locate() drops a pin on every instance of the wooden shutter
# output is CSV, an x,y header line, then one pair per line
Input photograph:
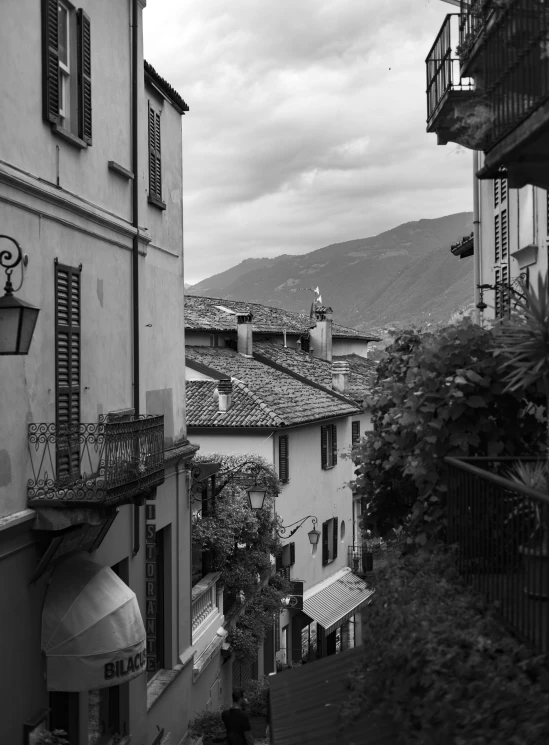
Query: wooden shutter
x,y
355,437
324,446
283,470
334,444
279,562
325,546
67,371
155,162
334,537
50,61
292,554
84,77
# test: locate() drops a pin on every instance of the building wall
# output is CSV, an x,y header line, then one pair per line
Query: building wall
x,y
63,203
527,225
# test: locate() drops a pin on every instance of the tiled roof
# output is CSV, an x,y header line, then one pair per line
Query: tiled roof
x,y
278,394
247,409
168,90
320,371
204,314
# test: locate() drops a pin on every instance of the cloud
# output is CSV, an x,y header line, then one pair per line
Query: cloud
x,y
306,123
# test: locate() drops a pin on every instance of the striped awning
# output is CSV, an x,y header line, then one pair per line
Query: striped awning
x,y
333,601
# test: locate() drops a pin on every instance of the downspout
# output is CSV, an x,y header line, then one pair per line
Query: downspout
x,y
135,242
476,238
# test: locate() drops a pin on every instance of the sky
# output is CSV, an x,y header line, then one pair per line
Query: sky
x,y
306,124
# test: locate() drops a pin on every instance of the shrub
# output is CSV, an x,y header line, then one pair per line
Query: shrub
x,y
257,693
437,659
209,725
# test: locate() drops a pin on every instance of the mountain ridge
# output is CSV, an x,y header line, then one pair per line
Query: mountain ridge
x,y
404,275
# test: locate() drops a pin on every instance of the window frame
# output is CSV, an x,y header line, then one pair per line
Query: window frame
x,y
283,459
65,70
330,537
355,432
328,446
501,255
154,144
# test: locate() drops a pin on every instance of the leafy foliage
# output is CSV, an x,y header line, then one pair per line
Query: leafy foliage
x,y
437,659
239,542
257,692
56,737
437,394
209,725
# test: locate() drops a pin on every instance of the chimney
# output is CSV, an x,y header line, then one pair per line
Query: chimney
x,y
321,334
244,334
340,376
298,345
225,390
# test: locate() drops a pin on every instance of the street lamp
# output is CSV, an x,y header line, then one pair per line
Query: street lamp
x,y
256,498
17,318
313,534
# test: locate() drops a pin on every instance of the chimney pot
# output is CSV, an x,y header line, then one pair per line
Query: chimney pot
x,y
340,376
225,391
244,331
321,333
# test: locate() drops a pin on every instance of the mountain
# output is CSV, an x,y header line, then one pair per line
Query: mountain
x,y
402,276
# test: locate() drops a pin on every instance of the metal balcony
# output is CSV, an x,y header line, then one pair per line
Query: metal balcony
x,y
448,94
105,463
500,530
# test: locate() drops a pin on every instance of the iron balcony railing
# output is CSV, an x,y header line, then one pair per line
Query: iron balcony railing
x,y
443,67
106,462
504,45
501,529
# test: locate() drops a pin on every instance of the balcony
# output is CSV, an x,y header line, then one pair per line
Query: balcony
x,y
101,464
504,46
464,248
501,529
449,96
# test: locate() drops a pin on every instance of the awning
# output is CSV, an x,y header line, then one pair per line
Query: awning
x,y
92,630
334,600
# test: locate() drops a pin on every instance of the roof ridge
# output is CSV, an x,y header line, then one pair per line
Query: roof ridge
x,y
262,405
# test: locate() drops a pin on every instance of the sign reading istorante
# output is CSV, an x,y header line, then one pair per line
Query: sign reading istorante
x,y
151,581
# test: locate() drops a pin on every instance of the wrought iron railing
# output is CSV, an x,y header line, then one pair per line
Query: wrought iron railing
x,y
443,67
504,44
106,462
500,529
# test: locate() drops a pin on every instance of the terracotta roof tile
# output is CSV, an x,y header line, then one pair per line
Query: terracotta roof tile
x,y
204,314
288,401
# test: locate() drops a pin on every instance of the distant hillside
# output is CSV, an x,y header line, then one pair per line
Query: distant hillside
x,y
405,275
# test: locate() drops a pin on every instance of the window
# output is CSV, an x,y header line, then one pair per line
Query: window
x,y
155,578
155,159
501,248
328,446
283,462
104,719
64,713
66,70
355,435
329,540
67,371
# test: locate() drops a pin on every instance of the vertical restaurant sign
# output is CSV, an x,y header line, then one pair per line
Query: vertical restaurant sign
x,y
151,580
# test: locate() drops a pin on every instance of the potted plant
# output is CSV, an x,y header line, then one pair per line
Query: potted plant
x,y
522,341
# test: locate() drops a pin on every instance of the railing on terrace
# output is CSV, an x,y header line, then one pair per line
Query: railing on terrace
x,y
204,602
443,67
106,462
500,529
505,45
372,554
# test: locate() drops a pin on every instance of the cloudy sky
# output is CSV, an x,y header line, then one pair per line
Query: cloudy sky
x,y
306,123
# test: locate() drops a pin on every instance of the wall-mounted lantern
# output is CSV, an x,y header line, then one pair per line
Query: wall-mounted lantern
x,y
17,318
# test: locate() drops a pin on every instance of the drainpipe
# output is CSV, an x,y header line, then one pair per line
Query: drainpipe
x,y
476,237
135,241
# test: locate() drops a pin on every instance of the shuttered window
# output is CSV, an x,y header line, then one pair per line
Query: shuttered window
x,y
283,462
84,78
155,159
67,371
329,540
355,435
67,69
502,303
328,446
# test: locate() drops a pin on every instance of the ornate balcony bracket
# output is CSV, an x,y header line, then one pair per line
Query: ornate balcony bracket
x,y
105,463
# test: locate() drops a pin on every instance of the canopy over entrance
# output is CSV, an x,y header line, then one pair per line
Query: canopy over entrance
x,y
92,630
334,600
